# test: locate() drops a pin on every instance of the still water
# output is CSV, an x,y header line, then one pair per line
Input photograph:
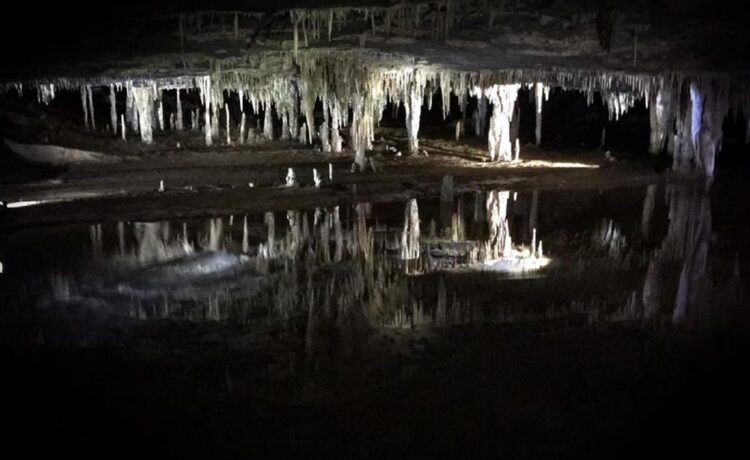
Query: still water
x,y
490,292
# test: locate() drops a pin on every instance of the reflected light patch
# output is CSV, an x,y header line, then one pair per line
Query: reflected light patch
x,y
24,204
558,164
517,264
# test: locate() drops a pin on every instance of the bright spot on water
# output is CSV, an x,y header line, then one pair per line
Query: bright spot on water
x,y
23,204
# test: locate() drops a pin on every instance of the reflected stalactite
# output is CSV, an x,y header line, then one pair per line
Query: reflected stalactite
x,y
245,237
499,243
95,233
694,284
649,202
294,235
215,234
534,211
410,232
684,284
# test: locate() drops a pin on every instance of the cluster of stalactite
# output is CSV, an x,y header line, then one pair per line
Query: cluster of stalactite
x,y
354,86
434,19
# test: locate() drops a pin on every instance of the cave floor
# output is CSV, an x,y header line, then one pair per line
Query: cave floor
x,y
199,181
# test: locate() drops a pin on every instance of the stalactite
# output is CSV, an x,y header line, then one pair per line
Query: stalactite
x,y
325,143
336,144
480,116
84,103
160,110
206,96
285,134
268,121
122,126
143,103
243,120
228,125
112,110
178,114
215,108
538,94
413,104
661,118
503,98
90,98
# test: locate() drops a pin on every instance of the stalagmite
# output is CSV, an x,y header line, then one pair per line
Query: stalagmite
x,y
113,110
533,241
178,114
330,172
503,98
410,234
122,126
538,95
229,137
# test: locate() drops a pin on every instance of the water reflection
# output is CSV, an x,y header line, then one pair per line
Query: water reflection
x,y
412,265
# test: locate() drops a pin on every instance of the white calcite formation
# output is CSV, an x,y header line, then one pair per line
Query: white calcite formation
x,y
354,86
503,99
